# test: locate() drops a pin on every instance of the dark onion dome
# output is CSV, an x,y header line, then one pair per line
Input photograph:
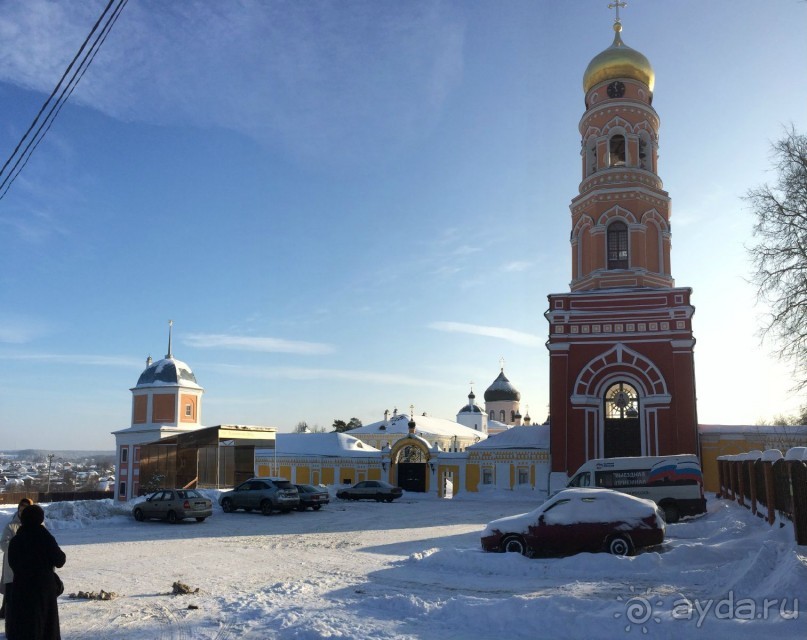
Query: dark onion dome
x,y
502,389
470,408
168,371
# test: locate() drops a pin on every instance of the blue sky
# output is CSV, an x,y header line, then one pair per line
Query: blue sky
x,y
348,207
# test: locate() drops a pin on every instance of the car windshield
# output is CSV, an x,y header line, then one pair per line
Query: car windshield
x,y
189,493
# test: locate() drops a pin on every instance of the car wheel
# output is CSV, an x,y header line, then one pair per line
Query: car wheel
x,y
514,544
620,546
200,519
266,507
138,515
317,507
227,505
671,514
172,517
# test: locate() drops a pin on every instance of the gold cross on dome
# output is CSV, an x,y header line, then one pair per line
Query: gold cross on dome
x,y
501,363
615,5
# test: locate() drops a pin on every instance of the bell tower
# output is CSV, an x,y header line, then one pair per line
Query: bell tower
x,y
622,379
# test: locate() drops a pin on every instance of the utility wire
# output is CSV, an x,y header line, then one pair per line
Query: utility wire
x,y
85,59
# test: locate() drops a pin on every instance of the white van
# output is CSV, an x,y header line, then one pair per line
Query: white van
x,y
674,483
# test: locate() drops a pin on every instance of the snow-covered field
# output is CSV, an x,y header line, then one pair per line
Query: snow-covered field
x,y
415,569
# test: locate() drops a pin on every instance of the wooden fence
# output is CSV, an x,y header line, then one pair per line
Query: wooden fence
x,y
772,486
14,497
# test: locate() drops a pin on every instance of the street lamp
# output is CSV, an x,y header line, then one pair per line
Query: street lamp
x,y
50,462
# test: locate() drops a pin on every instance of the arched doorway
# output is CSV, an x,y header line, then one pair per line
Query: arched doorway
x,y
623,436
411,463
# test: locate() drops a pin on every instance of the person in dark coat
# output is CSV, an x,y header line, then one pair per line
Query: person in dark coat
x,y
32,612
8,534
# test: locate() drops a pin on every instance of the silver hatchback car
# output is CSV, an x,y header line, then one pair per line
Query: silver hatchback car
x,y
261,494
174,505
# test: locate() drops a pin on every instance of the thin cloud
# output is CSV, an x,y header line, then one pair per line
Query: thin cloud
x,y
75,359
256,343
20,330
516,265
349,375
317,78
500,333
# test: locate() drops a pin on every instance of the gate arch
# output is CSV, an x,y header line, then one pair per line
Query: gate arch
x,y
620,365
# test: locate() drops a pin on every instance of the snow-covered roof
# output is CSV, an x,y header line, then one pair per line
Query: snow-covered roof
x,y
761,429
168,371
425,426
322,444
523,437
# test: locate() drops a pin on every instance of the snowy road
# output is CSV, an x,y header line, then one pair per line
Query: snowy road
x,y
414,569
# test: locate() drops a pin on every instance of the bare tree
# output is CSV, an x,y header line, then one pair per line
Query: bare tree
x,y
780,254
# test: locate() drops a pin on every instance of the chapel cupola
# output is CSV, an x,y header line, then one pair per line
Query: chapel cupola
x,y
167,393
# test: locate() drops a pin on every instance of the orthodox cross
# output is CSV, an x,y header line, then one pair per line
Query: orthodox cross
x,y
615,5
501,363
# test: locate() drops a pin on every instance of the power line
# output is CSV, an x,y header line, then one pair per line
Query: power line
x,y
85,59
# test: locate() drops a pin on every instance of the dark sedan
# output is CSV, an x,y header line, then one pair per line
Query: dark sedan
x,y
174,505
311,496
577,520
371,490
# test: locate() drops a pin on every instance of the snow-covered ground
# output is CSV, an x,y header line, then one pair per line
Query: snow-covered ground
x,y
415,569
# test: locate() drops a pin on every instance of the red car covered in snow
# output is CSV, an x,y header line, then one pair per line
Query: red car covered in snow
x,y
577,520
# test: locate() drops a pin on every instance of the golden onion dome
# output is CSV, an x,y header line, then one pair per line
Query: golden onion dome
x,y
618,61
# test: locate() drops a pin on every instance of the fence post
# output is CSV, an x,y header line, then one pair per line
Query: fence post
x,y
768,458
721,477
752,457
740,464
798,491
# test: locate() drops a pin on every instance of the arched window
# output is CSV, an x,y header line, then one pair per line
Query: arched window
x,y
501,415
512,416
617,245
645,152
616,150
621,401
622,422
492,415
591,156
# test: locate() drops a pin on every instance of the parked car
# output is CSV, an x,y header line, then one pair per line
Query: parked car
x,y
576,520
174,505
311,496
371,490
266,494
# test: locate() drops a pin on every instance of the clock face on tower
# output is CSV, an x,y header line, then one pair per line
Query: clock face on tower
x,y
616,89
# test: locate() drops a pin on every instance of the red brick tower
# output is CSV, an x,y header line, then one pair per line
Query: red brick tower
x,y
622,375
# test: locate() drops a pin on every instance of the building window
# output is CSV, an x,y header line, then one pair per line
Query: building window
x,y
122,489
618,245
487,476
523,476
136,454
512,416
188,410
492,415
621,401
616,148
501,415
124,455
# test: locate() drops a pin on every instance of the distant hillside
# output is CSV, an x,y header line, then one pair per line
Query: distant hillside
x,y
30,454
